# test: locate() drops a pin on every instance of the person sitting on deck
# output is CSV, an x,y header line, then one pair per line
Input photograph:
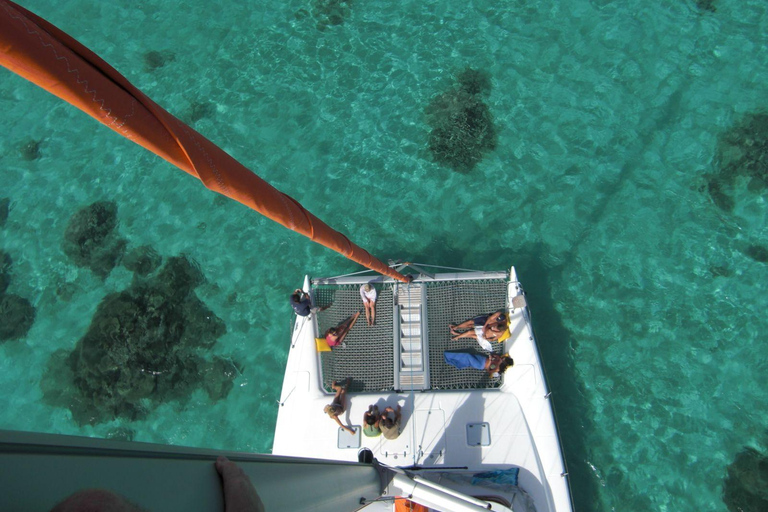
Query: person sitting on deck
x,y
371,421
389,427
300,302
337,407
368,294
494,364
484,328
335,335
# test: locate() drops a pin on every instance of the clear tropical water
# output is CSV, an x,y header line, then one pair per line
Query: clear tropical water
x,y
650,312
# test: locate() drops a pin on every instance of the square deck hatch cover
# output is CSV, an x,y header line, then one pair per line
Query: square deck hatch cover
x,y
478,434
347,440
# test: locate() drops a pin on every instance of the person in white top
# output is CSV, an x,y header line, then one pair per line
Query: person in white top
x,y
368,294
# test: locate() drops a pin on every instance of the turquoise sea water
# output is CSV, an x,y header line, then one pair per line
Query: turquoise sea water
x,y
649,310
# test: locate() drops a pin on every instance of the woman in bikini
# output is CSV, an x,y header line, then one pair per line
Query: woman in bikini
x,y
335,335
337,406
484,328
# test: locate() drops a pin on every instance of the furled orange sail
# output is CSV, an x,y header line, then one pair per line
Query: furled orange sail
x,y
46,56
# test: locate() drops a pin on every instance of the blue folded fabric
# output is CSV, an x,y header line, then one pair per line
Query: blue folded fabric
x,y
462,360
502,476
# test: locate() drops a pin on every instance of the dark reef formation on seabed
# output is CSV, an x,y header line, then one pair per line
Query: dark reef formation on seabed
x,y
143,347
91,239
742,161
17,314
746,483
462,124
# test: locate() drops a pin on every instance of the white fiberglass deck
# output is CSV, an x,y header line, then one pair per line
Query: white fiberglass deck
x,y
439,429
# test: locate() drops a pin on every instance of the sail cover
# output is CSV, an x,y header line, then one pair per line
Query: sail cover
x,y
38,51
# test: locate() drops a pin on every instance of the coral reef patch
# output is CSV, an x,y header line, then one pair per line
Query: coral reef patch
x,y
154,60
742,161
706,5
5,270
757,253
142,260
30,150
142,348
91,239
5,210
745,488
17,314
330,12
199,110
462,124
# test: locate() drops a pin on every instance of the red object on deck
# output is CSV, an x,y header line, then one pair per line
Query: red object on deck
x,y
404,505
38,51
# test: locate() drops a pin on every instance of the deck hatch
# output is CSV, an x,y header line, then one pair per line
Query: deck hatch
x,y
479,434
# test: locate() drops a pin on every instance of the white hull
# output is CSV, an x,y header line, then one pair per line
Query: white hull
x,y
437,426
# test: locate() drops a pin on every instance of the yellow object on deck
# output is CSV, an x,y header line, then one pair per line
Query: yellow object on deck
x,y
322,345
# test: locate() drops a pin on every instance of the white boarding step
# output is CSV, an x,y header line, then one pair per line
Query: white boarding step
x,y
411,380
410,343
410,314
410,329
410,360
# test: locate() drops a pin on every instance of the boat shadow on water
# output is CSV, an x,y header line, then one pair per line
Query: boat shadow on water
x,y
574,413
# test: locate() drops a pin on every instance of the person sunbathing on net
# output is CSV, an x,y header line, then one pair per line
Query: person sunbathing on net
x,y
335,335
484,328
494,364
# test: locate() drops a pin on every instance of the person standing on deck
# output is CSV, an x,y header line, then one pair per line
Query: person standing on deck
x,y
368,294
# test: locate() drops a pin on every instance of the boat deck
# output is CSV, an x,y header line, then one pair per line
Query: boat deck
x,y
403,323
471,422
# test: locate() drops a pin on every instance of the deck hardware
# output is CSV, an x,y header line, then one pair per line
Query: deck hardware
x,y
548,395
480,436
564,474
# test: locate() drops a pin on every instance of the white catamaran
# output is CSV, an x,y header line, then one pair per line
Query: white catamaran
x,y
468,441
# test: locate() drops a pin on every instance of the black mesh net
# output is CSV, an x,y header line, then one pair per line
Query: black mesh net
x,y
368,355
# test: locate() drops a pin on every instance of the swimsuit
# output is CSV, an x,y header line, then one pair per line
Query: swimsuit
x,y
368,296
484,343
332,342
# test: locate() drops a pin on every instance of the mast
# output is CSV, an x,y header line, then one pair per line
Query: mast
x,y
46,56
